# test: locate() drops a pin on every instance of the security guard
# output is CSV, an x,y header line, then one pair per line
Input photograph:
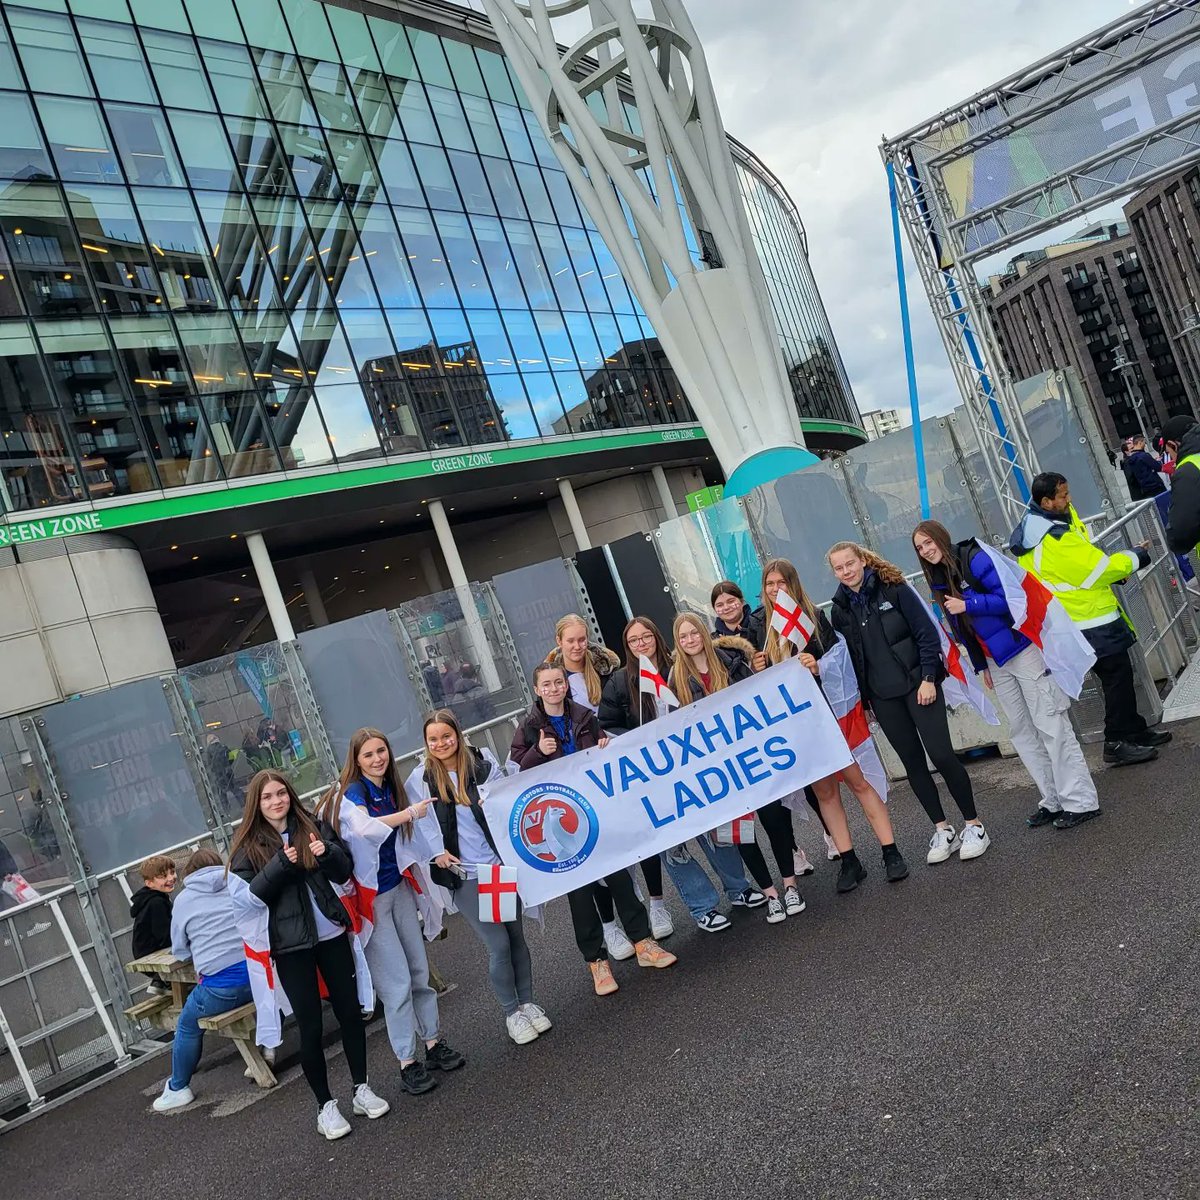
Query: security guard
x,y
1053,543
1180,438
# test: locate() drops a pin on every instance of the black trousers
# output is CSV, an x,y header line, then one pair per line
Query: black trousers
x,y
652,874
298,977
814,804
1122,721
754,862
777,823
589,933
915,730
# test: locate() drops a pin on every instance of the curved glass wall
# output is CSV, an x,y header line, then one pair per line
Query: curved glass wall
x,y
243,236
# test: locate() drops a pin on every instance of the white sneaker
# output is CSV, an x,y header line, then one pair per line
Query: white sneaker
x,y
367,1104
268,1056
617,941
941,845
974,842
537,1015
520,1028
171,1100
661,925
800,863
831,850
331,1124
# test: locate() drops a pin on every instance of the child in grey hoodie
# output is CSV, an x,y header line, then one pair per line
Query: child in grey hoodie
x,y
204,930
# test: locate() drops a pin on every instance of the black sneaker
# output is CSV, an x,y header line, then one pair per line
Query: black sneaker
x,y
1152,737
416,1080
1069,820
894,865
1039,817
712,922
1125,754
750,898
852,873
442,1058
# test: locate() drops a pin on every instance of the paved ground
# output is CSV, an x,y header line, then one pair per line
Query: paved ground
x,y
1020,1026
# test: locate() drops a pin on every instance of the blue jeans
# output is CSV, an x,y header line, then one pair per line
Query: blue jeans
x,y
204,1001
692,882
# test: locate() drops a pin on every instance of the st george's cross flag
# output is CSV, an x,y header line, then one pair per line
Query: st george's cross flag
x,y
1039,615
497,893
840,686
270,1001
790,621
960,686
651,683
738,832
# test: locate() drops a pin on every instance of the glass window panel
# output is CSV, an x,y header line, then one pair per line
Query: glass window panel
x,y
559,351
508,392
398,174
529,263
264,25
355,47
78,140
10,304
451,123
258,156
331,97
566,210
311,163
487,332
543,399
431,62
533,188
43,253
607,334
495,74
144,145
463,67
410,329
416,117
450,327
541,147
577,406
482,120
498,259
207,159
375,106
299,428
8,60
523,335
180,250
295,260
472,185
159,14
234,79
21,151
558,262
49,52
240,434
114,250
310,30
340,256
587,271
283,86
394,50
425,255
215,359
177,70
386,258
242,265
351,428
610,276
323,348
504,188
463,256
360,177
516,136
217,18
583,338
86,378
116,62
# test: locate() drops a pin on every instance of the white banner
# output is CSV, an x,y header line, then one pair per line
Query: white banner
x,y
582,817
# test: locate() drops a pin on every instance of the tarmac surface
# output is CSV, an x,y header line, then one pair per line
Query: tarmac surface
x,y
1024,1025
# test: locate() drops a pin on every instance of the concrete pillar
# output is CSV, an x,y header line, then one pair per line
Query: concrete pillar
x,y
664,493
574,516
313,597
458,578
268,583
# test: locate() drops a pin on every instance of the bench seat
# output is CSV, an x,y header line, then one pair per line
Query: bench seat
x,y
149,1007
224,1021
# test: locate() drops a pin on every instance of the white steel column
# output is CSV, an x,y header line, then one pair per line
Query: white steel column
x,y
268,583
574,516
664,492
458,578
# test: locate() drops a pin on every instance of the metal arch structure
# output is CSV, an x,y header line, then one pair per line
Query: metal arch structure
x,y
1083,127
630,112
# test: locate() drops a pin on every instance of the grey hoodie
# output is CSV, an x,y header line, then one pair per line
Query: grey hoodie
x,y
203,927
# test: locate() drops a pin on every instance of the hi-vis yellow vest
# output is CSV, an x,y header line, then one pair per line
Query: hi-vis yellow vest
x,y
1192,460
1079,574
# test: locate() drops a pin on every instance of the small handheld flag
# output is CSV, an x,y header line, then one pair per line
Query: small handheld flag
x,y
497,893
790,620
653,684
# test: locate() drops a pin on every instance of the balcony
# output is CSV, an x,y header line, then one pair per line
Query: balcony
x,y
1075,284
1086,301
1174,391
1129,267
1144,306
1137,286
1094,322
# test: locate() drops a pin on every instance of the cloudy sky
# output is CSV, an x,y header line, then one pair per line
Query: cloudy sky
x,y
811,88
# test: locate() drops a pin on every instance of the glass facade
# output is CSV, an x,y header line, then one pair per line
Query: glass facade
x,y
244,236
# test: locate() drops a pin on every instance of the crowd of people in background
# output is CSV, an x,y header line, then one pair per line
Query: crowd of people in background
x,y
354,890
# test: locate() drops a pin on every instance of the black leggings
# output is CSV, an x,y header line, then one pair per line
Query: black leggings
x,y
298,977
814,804
753,859
652,874
777,822
915,730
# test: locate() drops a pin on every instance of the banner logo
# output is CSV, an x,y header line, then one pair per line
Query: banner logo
x,y
553,827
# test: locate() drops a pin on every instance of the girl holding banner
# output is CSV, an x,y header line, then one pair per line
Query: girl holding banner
x,y
626,704
1030,651
811,637
704,665
293,864
554,727
457,833
370,809
896,653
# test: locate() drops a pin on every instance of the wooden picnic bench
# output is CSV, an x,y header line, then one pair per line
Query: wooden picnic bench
x,y
238,1024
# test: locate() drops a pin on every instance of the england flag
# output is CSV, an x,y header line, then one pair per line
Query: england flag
x,y
840,686
653,684
790,621
270,1002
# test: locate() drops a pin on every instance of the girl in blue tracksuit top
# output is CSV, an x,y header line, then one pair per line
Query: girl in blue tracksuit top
x,y
968,589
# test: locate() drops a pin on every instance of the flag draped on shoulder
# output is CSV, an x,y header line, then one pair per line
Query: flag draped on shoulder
x,y
1040,616
960,685
270,1002
840,686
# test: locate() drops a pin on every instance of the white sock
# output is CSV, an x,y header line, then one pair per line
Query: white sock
x,y
610,927
657,903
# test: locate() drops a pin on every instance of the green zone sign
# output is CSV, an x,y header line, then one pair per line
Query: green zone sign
x,y
705,497
108,516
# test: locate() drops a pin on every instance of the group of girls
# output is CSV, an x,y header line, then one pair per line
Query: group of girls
x,y
384,859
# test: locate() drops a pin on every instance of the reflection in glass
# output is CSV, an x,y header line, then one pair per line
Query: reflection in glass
x,y
21,152
180,250
78,140
49,52
44,257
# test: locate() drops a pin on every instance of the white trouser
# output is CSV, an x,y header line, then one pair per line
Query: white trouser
x,y
1037,710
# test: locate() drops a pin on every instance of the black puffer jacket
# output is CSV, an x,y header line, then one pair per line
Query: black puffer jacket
x,y
751,625
737,654
619,712
892,642
1183,530
446,812
285,888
